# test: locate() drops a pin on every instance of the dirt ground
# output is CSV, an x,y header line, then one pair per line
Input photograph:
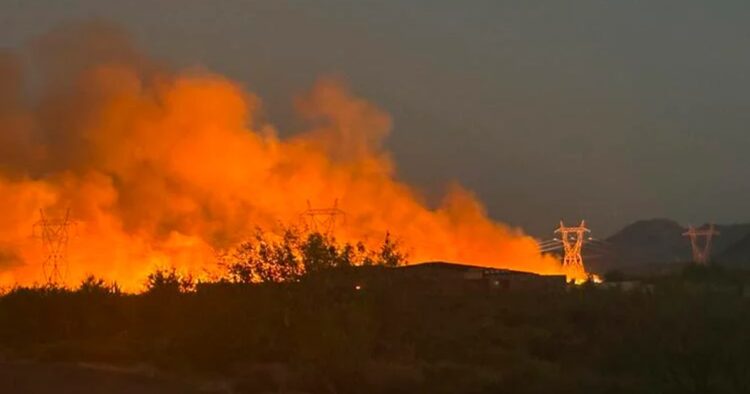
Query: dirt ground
x,y
34,378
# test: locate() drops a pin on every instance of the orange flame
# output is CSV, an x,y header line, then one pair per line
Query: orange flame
x,y
162,170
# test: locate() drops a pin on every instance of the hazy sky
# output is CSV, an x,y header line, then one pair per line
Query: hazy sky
x,y
610,111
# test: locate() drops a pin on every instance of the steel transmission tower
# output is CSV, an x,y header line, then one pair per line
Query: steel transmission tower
x,y
701,254
322,220
572,239
54,235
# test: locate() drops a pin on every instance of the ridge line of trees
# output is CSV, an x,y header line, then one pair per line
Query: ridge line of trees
x,y
294,255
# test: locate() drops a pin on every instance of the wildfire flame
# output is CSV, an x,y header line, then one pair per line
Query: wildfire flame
x,y
162,169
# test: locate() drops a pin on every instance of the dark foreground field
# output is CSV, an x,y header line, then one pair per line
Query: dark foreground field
x,y
684,334
42,378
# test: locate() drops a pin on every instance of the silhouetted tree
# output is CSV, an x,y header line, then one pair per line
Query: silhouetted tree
x,y
319,253
390,255
265,260
268,259
168,281
97,286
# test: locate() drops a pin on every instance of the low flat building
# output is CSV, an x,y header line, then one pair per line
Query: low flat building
x,y
439,278
492,278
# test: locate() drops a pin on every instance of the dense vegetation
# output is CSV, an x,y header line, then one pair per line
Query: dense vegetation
x,y
339,328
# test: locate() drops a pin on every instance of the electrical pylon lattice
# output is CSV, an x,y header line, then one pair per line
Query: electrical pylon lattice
x,y
701,253
572,239
54,235
322,220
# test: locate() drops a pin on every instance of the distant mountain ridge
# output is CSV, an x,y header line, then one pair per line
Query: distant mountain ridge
x,y
737,254
729,236
659,242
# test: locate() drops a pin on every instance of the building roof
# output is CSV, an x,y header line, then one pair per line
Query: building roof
x,y
448,266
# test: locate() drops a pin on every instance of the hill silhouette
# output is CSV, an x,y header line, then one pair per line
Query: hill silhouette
x,y
737,254
729,235
657,244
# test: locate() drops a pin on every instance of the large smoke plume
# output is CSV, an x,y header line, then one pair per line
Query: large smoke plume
x,y
163,168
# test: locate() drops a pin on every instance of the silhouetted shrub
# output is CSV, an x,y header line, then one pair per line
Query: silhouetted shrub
x,y
168,281
270,259
92,285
